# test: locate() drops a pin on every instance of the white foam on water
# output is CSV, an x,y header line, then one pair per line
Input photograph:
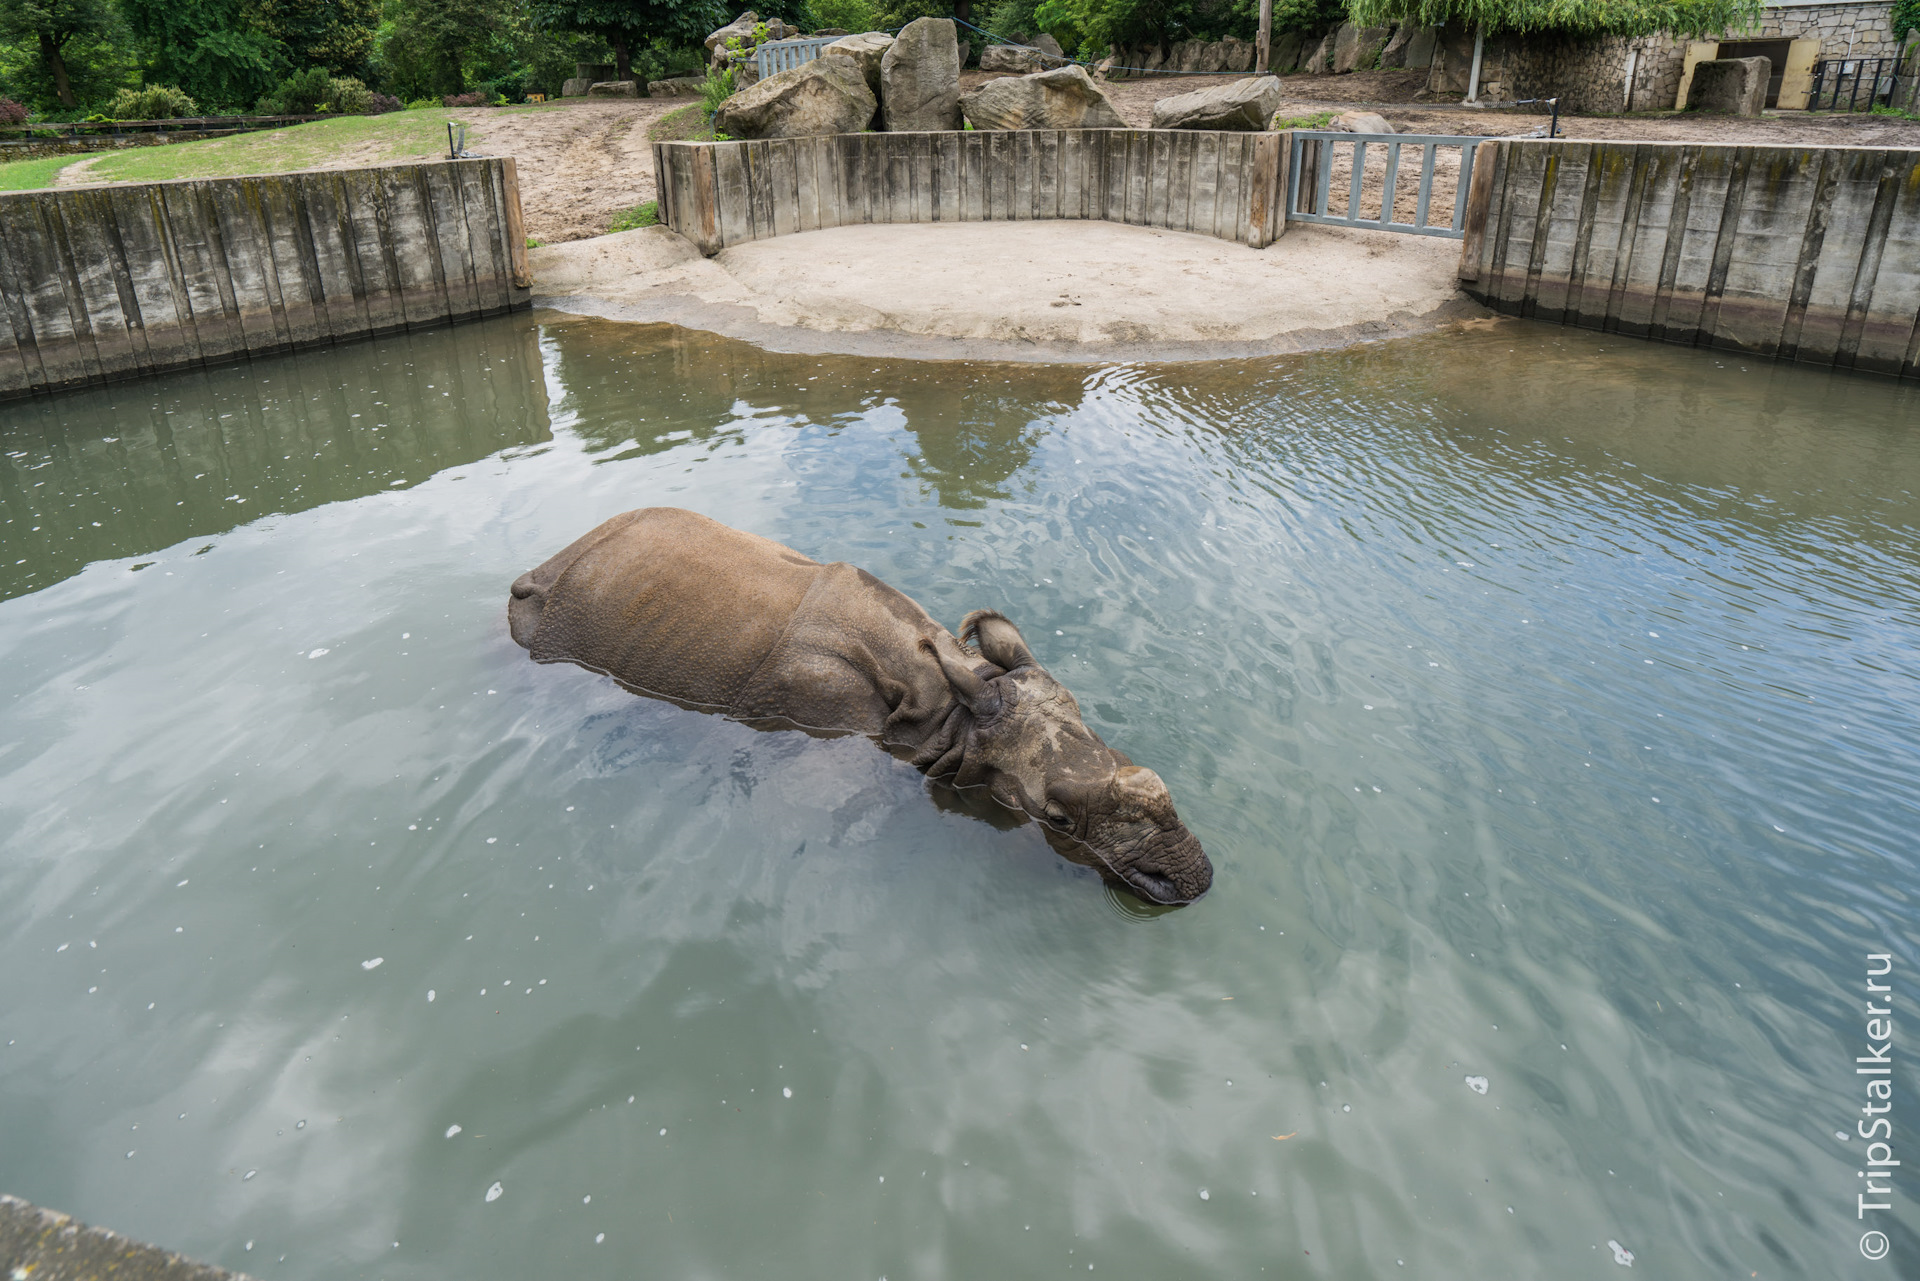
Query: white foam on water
x,y
598,1239
493,1193
452,1130
374,964
429,996
317,653
587,1199
248,1175
1478,1084
1205,1195
63,947
785,1092
1621,1255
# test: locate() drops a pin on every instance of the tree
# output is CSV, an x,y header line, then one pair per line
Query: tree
x,y
222,52
626,23
334,34
1571,17
50,24
431,46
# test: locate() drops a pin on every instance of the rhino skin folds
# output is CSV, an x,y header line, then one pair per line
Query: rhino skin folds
x,y
677,606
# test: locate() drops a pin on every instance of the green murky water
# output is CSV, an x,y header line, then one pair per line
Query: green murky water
x,y
1546,702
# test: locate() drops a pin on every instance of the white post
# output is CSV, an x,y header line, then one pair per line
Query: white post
x,y
1633,65
1473,77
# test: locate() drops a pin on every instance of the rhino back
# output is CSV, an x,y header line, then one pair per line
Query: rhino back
x,y
665,601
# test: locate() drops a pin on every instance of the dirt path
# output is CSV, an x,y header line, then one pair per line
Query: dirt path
x,y
581,163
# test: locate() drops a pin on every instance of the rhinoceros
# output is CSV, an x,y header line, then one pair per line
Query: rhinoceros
x,y
676,606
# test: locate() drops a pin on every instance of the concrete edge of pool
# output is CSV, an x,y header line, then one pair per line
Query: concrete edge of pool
x,y
49,1246
1048,292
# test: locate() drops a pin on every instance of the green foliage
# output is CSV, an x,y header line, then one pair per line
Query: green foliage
x,y
440,47
847,15
1906,20
63,52
219,51
155,102
1103,24
646,215
626,25
717,89
313,90
1572,17
336,35
1318,120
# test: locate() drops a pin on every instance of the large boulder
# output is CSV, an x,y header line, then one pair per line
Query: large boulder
x,y
867,50
1064,98
614,89
1006,57
575,87
1240,54
1729,86
741,26
1356,48
1050,51
1244,105
1359,122
1314,55
676,87
1394,52
1283,55
827,95
920,77
1420,47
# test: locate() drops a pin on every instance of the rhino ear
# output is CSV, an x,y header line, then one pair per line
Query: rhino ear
x,y
973,690
998,640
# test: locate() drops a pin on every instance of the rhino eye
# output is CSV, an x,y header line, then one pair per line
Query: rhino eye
x,y
1058,816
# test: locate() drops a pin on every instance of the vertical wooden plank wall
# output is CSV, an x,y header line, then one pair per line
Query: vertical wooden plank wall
x,y
1229,185
1801,253
118,282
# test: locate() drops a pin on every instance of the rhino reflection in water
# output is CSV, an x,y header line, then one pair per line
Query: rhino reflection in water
x,y
677,606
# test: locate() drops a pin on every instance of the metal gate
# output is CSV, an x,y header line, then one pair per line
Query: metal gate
x,y
1314,158
1860,84
785,55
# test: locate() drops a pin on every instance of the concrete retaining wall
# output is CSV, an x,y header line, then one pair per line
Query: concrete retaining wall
x,y
115,282
1801,253
1228,185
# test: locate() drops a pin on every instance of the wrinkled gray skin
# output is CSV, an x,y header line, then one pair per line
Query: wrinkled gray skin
x,y
677,606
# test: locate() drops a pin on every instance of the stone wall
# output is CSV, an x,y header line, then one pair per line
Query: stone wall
x,y
107,283
1802,253
1590,74
1230,185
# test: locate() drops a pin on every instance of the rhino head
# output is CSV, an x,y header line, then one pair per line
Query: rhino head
x,y
1025,742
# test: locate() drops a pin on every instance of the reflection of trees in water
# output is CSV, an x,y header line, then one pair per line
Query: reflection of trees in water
x,y
656,387
116,471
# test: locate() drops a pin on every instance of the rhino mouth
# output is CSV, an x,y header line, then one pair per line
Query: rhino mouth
x,y
1155,888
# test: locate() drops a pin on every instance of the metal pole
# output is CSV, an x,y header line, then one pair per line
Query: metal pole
x,y
1264,47
1553,129
1473,77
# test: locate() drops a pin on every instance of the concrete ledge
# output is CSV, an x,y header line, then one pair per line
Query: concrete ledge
x,y
117,282
1070,293
1222,184
49,1246
1799,253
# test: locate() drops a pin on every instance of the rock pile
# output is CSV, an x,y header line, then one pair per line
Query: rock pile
x,y
905,83
1345,48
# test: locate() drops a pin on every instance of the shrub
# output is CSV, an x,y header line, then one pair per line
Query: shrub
x,y
717,89
474,99
313,91
11,112
382,102
1318,120
646,215
423,104
154,102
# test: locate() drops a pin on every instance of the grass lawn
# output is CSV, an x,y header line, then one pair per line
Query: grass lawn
x,y
25,175
372,140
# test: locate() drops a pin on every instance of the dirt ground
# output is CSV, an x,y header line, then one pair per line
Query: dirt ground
x,y
582,162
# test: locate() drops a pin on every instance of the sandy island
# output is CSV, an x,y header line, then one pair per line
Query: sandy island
x,y
1034,291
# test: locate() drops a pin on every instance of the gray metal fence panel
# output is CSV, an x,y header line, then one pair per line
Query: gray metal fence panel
x,y
785,55
1313,155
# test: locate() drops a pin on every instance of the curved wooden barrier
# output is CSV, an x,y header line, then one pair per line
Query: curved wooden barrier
x,y
1229,185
